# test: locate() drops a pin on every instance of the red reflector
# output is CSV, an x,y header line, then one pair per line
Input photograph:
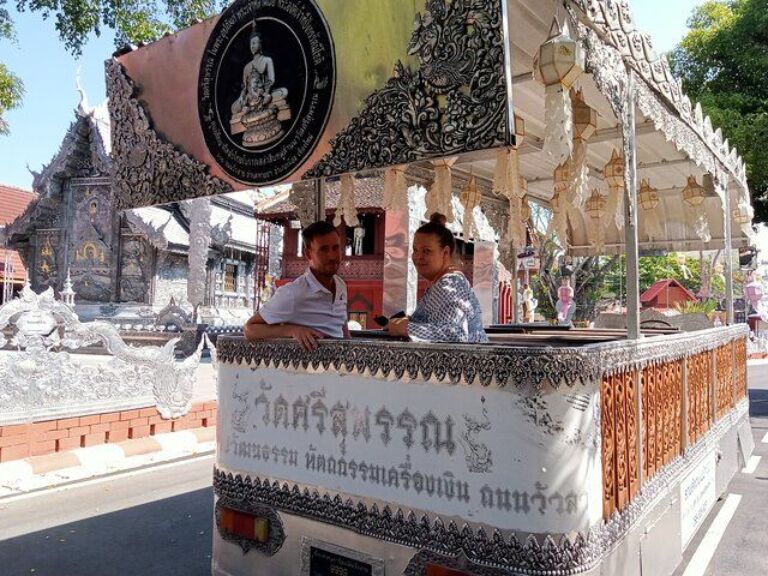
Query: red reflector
x,y
433,570
244,525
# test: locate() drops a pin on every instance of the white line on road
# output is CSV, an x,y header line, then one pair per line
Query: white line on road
x,y
102,479
751,465
703,555
765,438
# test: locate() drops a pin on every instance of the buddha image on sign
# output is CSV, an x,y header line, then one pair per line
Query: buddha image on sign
x,y
259,110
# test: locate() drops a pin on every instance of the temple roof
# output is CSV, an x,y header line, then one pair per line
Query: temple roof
x,y
13,203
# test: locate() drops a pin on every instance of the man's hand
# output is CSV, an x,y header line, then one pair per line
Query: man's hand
x,y
306,337
398,326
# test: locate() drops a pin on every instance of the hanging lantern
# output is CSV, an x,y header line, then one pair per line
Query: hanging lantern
x,y
648,197
694,195
743,215
560,63
558,225
595,209
614,178
440,196
470,197
584,126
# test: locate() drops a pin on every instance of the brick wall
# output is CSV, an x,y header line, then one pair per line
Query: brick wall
x,y
38,438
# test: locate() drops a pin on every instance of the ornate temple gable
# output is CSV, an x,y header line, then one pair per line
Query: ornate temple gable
x,y
149,170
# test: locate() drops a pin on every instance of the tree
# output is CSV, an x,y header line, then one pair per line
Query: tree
x,y
723,62
133,21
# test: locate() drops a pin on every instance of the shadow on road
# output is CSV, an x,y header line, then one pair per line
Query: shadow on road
x,y
163,538
758,403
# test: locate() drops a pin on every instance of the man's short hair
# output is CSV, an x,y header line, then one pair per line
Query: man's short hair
x,y
316,230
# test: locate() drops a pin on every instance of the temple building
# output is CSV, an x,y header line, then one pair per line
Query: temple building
x,y
138,258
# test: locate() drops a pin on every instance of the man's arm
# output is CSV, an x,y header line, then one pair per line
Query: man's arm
x,y
257,329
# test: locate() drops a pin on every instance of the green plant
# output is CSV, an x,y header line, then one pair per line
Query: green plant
x,y
705,307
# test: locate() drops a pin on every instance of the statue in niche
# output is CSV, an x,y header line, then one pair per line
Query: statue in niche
x,y
359,235
259,110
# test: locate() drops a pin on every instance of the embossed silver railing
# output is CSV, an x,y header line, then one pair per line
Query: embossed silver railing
x,y
40,378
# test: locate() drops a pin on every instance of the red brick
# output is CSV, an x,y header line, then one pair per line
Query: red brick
x,y
41,427
16,429
147,412
156,420
130,415
67,423
13,440
64,444
197,407
211,405
160,428
8,453
90,420
99,428
209,422
92,439
138,432
111,417
121,425
117,436
53,435
40,448
79,431
139,422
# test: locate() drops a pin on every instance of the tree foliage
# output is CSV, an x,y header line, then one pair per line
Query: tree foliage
x,y
133,22
723,61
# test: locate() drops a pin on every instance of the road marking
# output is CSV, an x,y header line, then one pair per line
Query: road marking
x,y
102,479
765,438
703,555
751,465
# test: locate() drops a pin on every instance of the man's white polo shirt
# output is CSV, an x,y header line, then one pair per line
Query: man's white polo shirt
x,y
306,302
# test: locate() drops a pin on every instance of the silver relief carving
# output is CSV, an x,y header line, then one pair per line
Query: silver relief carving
x,y
146,169
405,121
468,364
199,243
42,379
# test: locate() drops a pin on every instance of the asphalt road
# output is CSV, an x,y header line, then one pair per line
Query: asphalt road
x,y
158,521
155,522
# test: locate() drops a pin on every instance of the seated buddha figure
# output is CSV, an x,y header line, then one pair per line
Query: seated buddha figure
x,y
259,110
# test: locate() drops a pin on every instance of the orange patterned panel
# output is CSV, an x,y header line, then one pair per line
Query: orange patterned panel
x,y
608,432
662,413
724,380
740,362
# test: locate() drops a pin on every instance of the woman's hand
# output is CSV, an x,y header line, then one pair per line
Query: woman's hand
x,y
398,326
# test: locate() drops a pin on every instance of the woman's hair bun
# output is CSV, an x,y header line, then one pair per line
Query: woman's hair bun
x,y
438,219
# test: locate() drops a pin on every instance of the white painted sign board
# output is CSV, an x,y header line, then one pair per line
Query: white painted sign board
x,y
697,497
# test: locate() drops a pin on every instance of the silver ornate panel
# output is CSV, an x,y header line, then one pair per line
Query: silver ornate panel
x,y
497,365
41,379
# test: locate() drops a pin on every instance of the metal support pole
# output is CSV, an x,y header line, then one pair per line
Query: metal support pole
x,y
723,186
630,211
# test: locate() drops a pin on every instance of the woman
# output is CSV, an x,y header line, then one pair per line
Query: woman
x,y
449,310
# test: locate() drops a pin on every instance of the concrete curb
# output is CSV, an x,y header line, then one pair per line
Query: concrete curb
x,y
22,476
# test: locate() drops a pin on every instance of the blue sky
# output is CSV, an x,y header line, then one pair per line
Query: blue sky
x,y
48,72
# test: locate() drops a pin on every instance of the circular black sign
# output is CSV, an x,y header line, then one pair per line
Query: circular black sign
x,y
266,87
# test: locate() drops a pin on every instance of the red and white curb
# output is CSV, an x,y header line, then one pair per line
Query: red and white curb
x,y
40,472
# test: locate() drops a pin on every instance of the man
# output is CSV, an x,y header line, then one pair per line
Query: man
x,y
314,305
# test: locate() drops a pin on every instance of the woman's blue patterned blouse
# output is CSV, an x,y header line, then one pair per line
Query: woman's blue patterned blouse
x,y
448,312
